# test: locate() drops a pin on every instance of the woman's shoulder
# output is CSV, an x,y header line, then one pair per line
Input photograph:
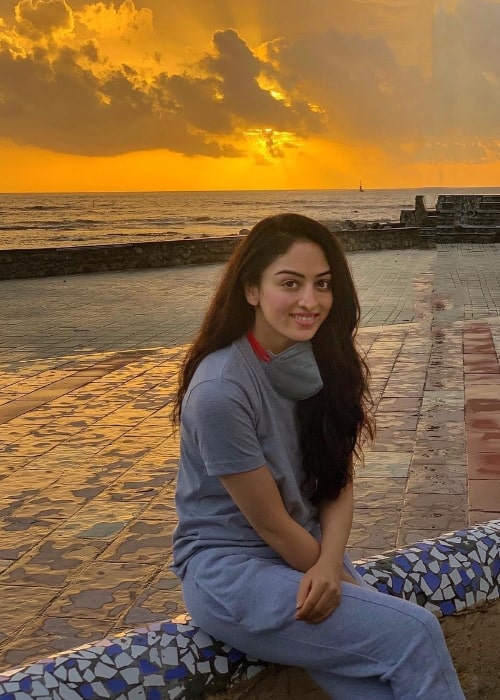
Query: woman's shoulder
x,y
229,363
225,372
219,364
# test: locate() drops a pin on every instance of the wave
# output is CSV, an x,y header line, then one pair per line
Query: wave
x,y
44,226
139,216
45,207
298,201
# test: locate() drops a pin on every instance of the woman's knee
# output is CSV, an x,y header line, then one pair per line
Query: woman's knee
x,y
422,628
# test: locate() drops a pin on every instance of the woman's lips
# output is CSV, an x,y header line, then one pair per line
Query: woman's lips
x,y
305,319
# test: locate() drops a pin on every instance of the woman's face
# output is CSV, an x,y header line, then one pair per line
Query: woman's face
x,y
294,297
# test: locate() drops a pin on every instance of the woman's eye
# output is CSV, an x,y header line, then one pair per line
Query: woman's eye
x,y
324,284
290,284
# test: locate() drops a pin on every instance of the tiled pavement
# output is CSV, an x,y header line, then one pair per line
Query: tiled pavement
x,y
87,465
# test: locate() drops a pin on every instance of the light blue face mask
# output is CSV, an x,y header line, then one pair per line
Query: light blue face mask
x,y
294,372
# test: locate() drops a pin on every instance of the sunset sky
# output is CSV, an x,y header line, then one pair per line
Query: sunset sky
x,y
248,94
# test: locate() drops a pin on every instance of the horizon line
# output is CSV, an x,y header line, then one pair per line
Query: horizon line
x,y
252,189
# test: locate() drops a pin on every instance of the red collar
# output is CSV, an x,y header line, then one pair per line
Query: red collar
x,y
261,353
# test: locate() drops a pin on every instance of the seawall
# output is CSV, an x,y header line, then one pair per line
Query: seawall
x,y
21,263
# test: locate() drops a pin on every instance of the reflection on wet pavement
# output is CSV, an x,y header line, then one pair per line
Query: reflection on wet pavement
x,y
88,464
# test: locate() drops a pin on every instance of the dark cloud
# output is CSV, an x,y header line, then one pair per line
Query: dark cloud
x,y
368,96
345,86
365,93
272,147
90,50
66,108
72,101
42,18
195,101
238,69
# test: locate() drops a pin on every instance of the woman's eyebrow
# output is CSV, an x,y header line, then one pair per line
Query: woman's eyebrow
x,y
299,274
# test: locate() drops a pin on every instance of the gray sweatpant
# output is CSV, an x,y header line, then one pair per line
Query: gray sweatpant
x,y
372,647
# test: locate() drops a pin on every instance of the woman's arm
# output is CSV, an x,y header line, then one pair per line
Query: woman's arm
x,y
257,496
320,588
336,522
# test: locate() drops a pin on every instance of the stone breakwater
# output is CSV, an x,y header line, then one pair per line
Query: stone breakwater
x,y
46,262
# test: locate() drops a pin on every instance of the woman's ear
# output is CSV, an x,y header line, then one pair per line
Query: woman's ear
x,y
252,294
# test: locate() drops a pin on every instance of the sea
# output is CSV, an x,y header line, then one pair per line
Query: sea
x,y
76,219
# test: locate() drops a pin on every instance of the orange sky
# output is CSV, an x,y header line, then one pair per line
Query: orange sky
x,y
225,94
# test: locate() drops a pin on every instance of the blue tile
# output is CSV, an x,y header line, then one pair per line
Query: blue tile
x,y
86,691
424,547
116,685
25,684
147,667
447,607
397,585
477,568
403,563
154,694
235,655
175,673
432,580
465,577
207,652
114,649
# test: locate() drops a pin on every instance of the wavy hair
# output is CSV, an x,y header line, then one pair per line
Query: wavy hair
x,y
334,422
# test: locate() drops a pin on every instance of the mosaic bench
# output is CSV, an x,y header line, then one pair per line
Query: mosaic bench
x,y
452,575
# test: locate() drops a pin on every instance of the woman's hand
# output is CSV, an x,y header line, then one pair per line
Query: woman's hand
x,y
319,592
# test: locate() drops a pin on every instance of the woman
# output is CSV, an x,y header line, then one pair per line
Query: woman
x,y
272,404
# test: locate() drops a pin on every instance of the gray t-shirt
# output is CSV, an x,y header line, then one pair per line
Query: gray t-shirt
x,y
233,421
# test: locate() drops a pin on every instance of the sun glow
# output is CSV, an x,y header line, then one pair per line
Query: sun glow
x,y
269,145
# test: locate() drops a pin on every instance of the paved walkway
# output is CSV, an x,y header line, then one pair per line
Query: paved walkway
x,y
87,467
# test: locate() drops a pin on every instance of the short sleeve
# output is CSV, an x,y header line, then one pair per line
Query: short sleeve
x,y
219,419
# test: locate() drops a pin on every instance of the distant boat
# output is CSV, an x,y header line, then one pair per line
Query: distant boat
x,y
361,187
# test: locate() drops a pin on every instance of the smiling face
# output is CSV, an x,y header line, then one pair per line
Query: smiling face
x,y
293,298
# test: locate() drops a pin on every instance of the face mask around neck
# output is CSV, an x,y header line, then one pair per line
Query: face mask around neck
x,y
294,372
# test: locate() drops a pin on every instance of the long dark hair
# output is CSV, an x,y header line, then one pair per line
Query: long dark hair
x,y
334,422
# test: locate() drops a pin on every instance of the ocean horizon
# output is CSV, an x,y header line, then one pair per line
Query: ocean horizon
x,y
33,220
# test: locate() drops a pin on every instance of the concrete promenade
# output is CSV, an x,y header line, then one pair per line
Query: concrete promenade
x,y
87,466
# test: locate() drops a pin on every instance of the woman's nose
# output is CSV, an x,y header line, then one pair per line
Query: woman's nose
x,y
308,297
